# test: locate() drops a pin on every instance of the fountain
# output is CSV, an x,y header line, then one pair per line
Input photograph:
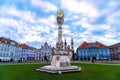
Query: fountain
x,y
60,58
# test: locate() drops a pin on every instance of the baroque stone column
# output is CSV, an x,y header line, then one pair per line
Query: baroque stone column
x,y
60,20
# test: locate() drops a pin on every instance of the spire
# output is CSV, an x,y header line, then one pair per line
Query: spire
x,y
72,43
65,44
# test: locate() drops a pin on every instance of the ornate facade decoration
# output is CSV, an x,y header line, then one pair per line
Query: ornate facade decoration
x,y
44,53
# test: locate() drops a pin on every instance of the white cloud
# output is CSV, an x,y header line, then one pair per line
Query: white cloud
x,y
113,3
10,11
65,30
22,29
50,20
113,18
46,6
81,7
8,22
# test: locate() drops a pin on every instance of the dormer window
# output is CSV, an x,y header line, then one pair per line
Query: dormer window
x,y
5,41
92,45
12,43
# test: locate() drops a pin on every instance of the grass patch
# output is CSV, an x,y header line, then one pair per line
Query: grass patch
x,y
89,72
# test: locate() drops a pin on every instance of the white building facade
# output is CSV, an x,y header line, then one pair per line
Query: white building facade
x,y
44,53
9,50
27,53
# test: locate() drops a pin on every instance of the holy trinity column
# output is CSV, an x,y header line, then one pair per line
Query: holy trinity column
x,y
60,20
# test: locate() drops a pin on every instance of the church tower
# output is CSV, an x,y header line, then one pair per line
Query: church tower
x,y
72,49
65,44
72,44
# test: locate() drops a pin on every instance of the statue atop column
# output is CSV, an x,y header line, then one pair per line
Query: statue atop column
x,y
60,20
60,17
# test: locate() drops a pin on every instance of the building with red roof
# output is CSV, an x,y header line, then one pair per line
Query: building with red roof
x,y
88,50
9,50
115,51
27,53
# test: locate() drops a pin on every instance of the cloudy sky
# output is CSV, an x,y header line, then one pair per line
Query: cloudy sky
x,y
34,21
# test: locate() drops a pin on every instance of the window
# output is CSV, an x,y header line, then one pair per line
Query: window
x,y
84,51
92,45
12,43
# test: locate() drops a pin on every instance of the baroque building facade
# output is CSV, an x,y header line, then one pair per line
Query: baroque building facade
x,y
27,53
44,53
86,51
115,51
9,50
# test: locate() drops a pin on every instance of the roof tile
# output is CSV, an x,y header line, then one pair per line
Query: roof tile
x,y
96,44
